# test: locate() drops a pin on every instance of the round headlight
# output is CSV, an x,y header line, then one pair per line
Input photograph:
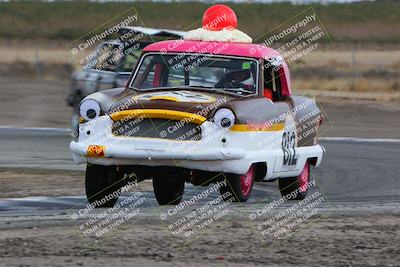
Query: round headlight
x,y
89,109
224,118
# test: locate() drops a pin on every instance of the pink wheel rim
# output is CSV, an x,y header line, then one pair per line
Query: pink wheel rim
x,y
246,181
303,178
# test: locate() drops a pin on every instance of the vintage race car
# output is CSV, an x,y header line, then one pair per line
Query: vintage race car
x,y
200,112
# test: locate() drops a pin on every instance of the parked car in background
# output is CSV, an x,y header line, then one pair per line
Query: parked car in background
x,y
112,63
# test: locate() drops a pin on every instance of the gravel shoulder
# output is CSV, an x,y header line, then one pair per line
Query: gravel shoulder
x,y
359,118
325,240
37,182
18,183
342,237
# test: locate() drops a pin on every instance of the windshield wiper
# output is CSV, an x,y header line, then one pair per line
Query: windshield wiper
x,y
231,90
238,90
197,86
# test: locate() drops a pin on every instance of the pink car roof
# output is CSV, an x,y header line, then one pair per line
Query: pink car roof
x,y
221,48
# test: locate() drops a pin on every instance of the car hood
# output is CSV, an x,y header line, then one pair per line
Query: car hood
x,y
246,109
191,101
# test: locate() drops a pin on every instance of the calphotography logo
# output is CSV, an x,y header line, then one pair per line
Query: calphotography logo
x,y
204,210
279,218
99,50
92,222
295,38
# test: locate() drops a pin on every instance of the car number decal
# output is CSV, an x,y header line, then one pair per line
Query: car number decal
x,y
288,148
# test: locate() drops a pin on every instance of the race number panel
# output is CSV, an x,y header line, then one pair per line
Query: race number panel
x,y
287,157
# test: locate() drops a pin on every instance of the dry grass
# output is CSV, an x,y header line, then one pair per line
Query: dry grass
x,y
58,53
344,58
347,84
31,54
330,69
337,70
368,21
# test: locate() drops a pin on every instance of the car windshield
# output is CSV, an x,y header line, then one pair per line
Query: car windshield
x,y
107,57
114,57
129,61
214,73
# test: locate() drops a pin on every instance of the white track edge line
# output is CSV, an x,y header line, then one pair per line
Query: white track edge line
x,y
44,129
356,139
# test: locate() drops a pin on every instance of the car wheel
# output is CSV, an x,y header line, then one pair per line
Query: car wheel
x,y
168,191
295,188
103,185
239,185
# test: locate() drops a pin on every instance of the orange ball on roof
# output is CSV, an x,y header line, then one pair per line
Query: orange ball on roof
x,y
218,17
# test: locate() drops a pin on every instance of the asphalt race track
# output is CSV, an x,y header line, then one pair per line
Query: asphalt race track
x,y
354,173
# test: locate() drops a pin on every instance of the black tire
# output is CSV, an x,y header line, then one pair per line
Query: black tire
x,y
292,188
103,185
168,191
234,187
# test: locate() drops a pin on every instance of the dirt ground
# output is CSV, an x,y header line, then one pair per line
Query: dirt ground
x,y
340,238
326,240
32,103
24,182
15,183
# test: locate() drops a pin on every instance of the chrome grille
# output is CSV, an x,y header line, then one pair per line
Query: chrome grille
x,y
157,128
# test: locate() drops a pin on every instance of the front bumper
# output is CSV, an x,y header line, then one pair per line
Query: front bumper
x,y
133,151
